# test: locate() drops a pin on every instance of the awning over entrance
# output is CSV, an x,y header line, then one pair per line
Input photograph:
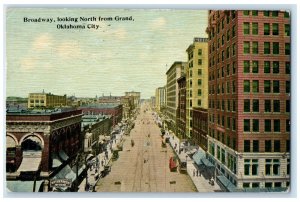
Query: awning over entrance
x,y
31,161
207,162
55,160
226,183
66,173
63,155
198,156
23,186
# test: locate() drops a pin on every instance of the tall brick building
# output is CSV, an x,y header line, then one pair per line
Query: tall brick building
x,y
249,98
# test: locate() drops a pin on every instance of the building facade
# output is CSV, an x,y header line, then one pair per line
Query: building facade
x,y
174,72
41,147
200,127
160,98
249,98
181,109
197,80
128,106
113,109
46,100
137,97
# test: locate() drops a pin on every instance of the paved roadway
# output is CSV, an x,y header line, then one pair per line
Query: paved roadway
x,y
144,167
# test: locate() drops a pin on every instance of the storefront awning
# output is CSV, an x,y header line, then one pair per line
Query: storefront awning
x,y
65,173
198,156
80,169
31,161
23,186
55,160
207,162
226,183
89,156
63,155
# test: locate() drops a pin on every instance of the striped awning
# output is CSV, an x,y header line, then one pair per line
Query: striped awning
x,y
31,161
23,186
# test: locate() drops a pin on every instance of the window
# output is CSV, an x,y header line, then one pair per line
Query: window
x,y
255,146
246,47
246,105
246,12
255,47
276,145
255,105
287,48
267,105
267,125
275,48
199,82
250,165
274,13
199,71
254,12
275,86
199,102
267,13
276,167
199,61
268,146
254,66
246,184
266,47
287,105
276,106
275,67
276,125
233,30
255,125
255,28
227,52
246,86
268,184
228,35
246,66
267,67
199,92
228,124
275,29
266,29
223,39
246,27
287,30
287,68
199,51
286,14
287,86
246,145
246,125
233,128
255,185
233,49
267,86
255,86
277,184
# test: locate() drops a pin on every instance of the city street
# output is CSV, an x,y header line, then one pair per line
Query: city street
x,y
144,167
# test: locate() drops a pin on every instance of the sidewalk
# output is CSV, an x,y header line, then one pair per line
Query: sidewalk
x,y
200,182
93,172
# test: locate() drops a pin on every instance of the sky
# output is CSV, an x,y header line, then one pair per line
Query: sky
x,y
118,57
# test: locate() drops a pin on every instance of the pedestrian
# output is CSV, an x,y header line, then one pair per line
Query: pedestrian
x,y
194,172
197,173
102,162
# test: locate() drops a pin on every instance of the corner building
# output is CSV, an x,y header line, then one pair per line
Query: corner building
x,y
249,99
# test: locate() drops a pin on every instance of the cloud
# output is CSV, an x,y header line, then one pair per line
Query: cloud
x,y
28,63
69,49
158,23
120,33
42,43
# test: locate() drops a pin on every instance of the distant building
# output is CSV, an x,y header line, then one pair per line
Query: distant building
x,y
113,109
96,130
152,101
197,80
46,100
137,97
160,98
40,146
181,109
173,73
128,106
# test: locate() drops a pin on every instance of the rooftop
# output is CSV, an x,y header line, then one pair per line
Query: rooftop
x,y
100,105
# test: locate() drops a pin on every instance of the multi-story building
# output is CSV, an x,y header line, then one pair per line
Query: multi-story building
x,y
181,109
46,100
128,106
41,148
173,73
200,127
137,97
160,98
197,79
113,109
249,98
